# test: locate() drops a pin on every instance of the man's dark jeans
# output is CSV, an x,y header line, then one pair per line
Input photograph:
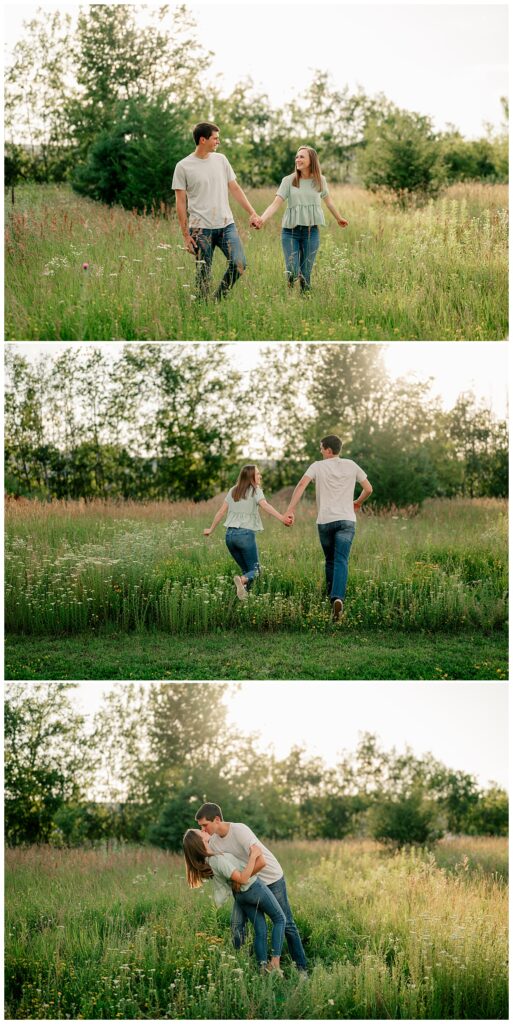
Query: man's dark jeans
x,y
228,241
279,891
336,539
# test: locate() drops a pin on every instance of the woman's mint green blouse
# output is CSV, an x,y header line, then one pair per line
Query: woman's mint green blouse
x,y
304,205
244,514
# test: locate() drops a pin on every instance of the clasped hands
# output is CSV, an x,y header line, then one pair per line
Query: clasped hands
x,y
288,519
256,222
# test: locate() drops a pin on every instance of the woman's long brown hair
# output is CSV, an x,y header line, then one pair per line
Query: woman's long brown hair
x,y
245,481
315,169
196,866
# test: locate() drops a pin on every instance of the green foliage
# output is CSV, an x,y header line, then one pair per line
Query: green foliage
x,y
47,758
400,155
132,161
405,821
489,815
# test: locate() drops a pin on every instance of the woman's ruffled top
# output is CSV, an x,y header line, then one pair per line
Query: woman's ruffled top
x,y
304,207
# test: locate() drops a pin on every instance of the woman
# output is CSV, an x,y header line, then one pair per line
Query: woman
x,y
242,503
254,896
302,191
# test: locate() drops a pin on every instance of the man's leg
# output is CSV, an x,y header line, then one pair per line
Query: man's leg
x,y
204,253
343,538
238,925
309,247
327,539
290,246
230,244
279,891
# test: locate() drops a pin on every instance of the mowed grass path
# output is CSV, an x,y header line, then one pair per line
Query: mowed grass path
x,y
139,590
440,272
101,934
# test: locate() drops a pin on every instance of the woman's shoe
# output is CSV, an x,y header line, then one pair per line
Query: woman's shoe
x,y
242,593
269,969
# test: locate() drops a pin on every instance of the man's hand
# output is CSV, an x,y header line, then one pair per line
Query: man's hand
x,y
255,221
190,244
207,532
236,886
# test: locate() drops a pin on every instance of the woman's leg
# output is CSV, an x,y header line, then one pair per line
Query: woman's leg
x,y
232,544
249,552
310,242
261,898
290,246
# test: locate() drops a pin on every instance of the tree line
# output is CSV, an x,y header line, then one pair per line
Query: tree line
x,y
139,770
108,105
175,422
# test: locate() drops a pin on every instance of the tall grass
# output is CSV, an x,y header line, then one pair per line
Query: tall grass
x,y
434,273
102,934
72,567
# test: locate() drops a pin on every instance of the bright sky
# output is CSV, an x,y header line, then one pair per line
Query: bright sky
x,y
477,366
448,61
464,725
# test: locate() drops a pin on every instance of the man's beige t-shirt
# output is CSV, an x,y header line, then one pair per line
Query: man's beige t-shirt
x,y
238,842
206,184
335,481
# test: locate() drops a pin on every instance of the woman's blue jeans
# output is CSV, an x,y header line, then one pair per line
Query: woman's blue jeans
x,y
243,548
336,539
257,901
300,245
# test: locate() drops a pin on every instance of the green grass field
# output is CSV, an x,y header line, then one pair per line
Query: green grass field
x,y
116,934
440,272
426,595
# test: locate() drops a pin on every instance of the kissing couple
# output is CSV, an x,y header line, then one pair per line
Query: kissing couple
x,y
239,865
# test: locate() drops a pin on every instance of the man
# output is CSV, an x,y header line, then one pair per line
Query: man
x,y
202,182
335,480
239,840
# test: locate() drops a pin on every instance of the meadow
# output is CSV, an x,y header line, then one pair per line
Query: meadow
x,y
89,570
116,934
78,270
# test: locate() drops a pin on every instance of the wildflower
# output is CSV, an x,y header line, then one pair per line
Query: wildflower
x,y
85,266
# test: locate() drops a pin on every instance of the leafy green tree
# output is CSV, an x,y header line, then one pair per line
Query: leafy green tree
x,y
405,821
401,155
48,760
489,814
132,161
36,88
118,62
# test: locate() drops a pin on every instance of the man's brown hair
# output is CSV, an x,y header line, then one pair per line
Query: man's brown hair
x,y
209,811
333,442
203,129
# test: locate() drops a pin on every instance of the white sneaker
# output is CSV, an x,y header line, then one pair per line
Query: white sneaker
x,y
242,593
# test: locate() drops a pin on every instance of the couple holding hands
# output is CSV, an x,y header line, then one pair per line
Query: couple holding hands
x,y
203,182
335,479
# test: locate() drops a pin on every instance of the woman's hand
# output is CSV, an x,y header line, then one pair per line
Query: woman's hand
x,y
342,223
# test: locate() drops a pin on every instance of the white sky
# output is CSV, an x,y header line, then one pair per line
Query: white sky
x,y
464,725
448,61
479,367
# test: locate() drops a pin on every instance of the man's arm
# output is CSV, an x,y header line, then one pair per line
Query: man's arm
x,y
366,491
241,198
181,212
298,494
